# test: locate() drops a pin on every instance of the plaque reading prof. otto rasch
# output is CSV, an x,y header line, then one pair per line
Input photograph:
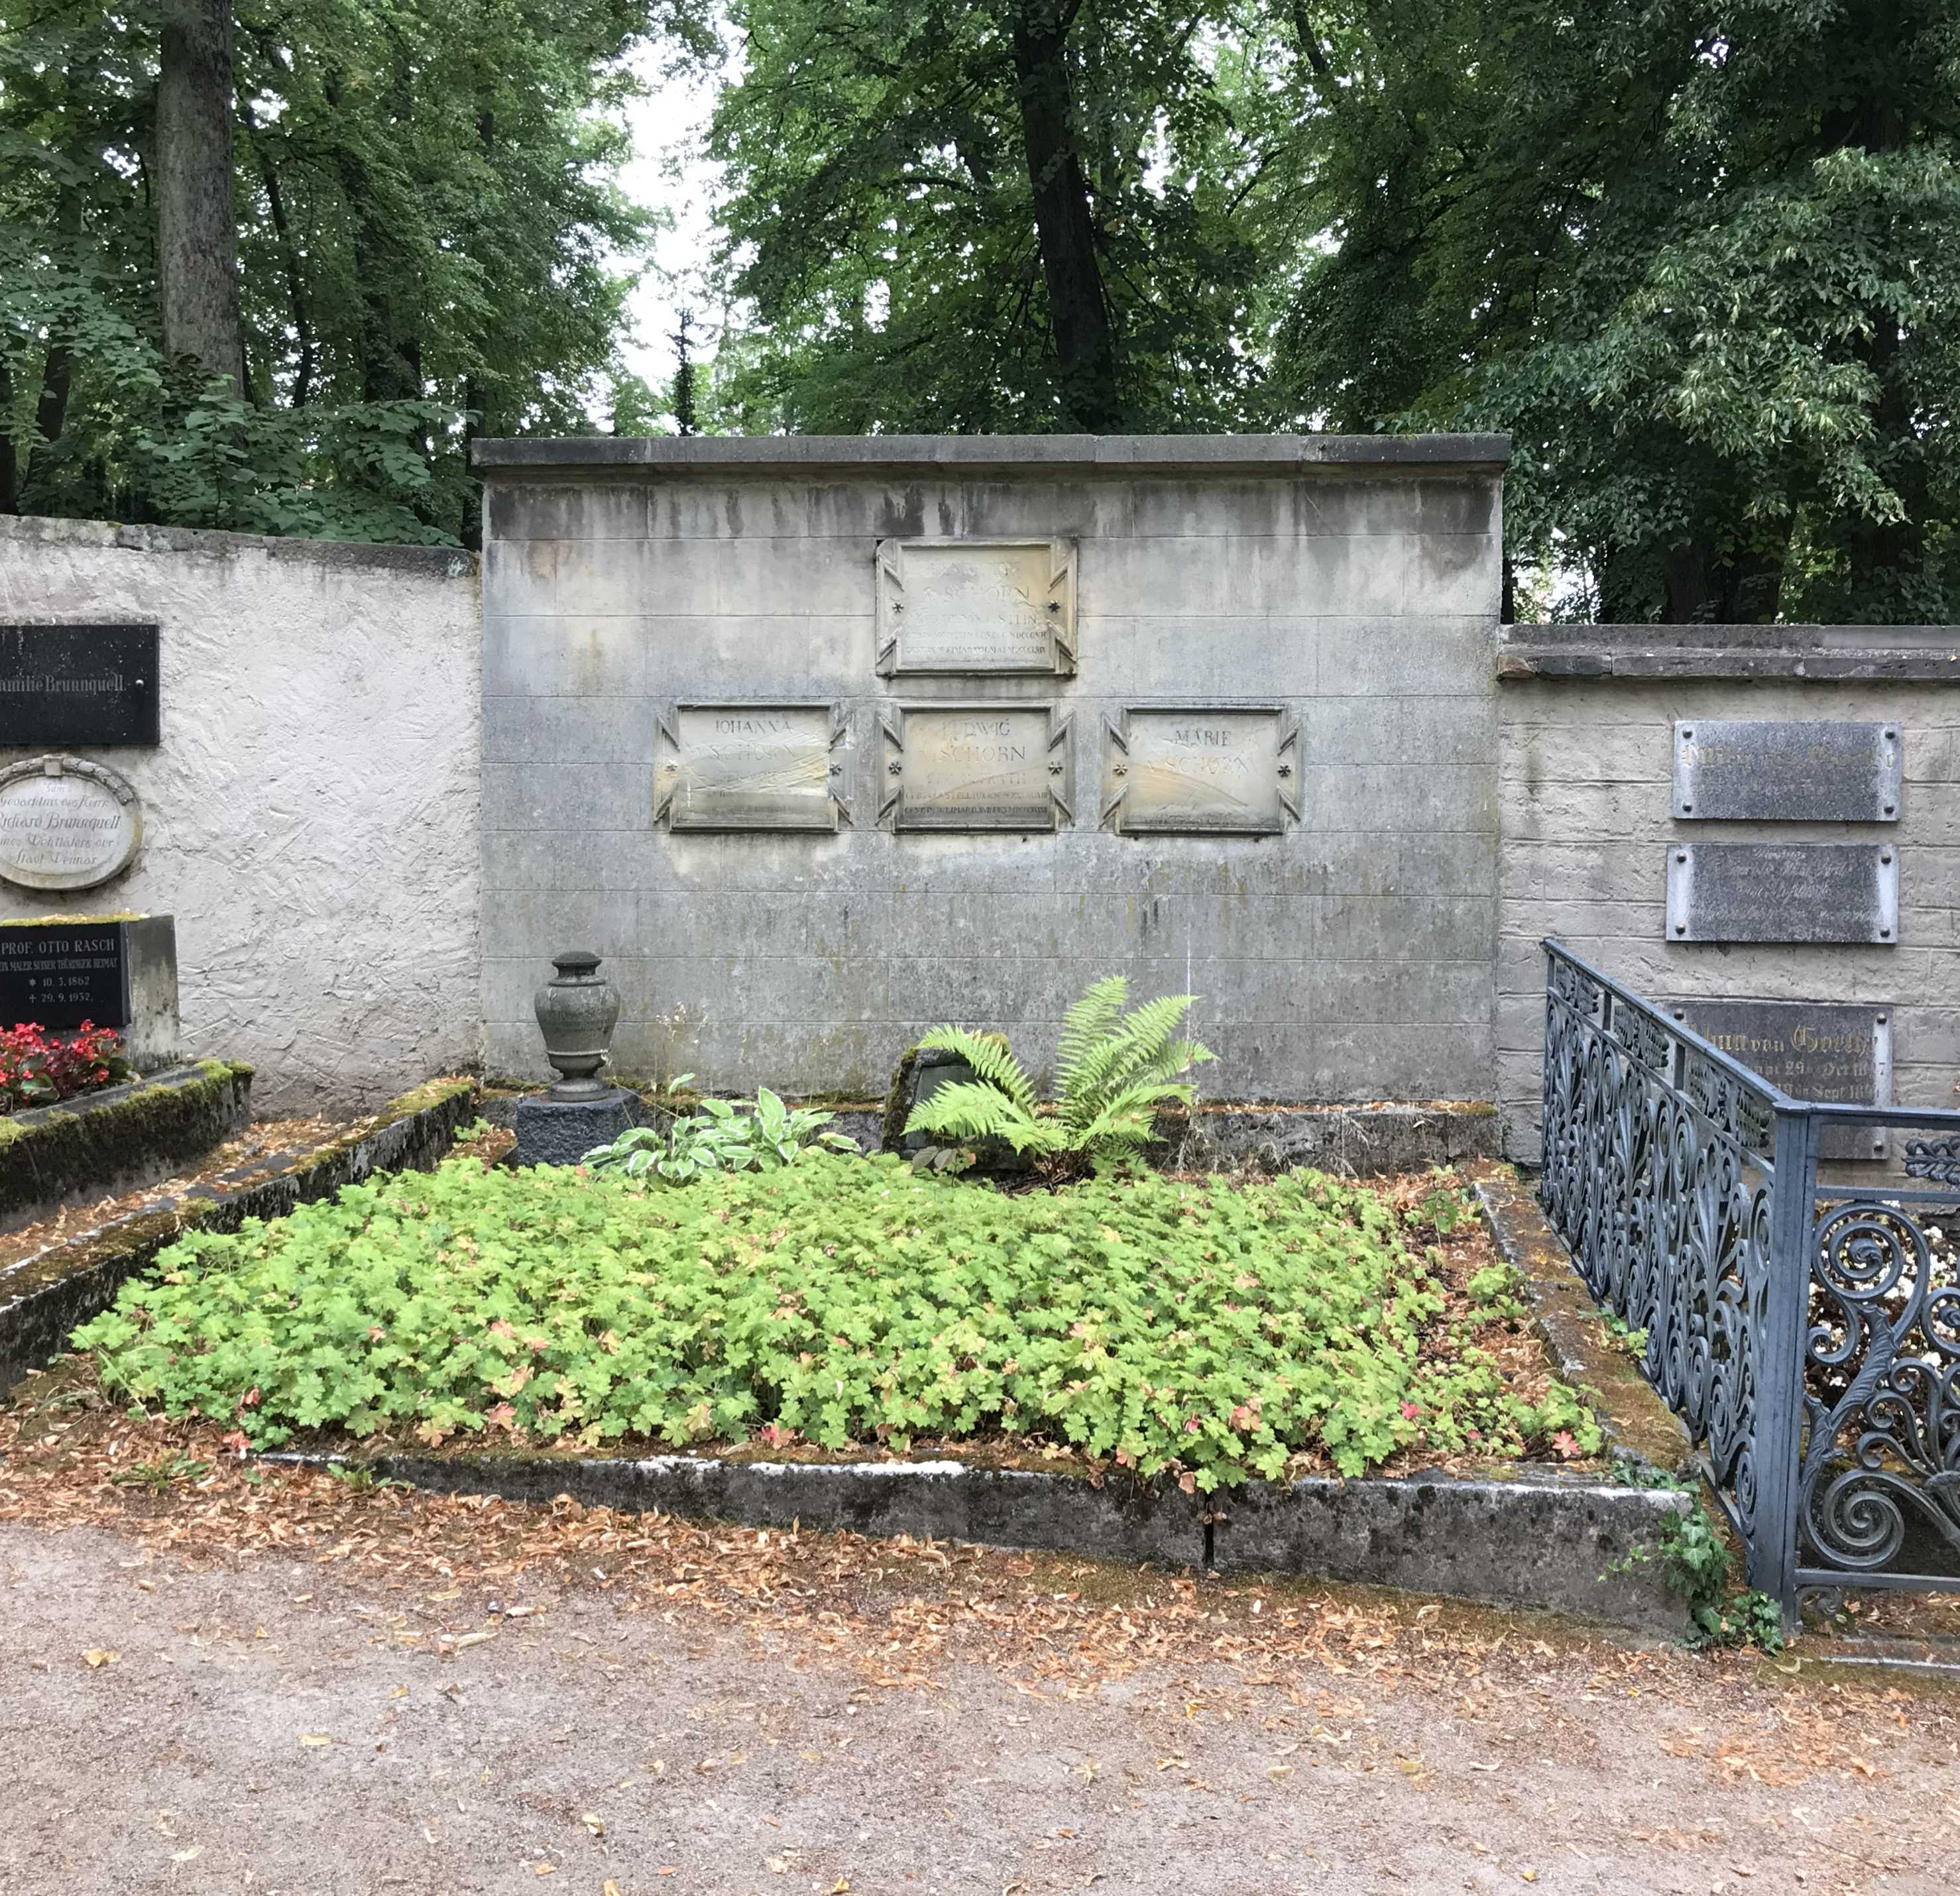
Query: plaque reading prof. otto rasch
x,y
1824,1050
975,767
1215,771
752,766
978,606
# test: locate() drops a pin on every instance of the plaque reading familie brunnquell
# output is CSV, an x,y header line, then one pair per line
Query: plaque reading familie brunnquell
x,y
752,766
978,606
975,767
78,685
1813,1050
66,823
1782,892
1208,771
1768,770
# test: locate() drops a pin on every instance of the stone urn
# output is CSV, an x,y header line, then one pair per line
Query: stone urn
x,y
577,1009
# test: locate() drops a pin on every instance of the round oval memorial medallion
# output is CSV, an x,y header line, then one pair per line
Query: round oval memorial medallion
x,y
66,823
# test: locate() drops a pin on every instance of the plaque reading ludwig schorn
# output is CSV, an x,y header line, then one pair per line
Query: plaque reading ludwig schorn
x,y
976,605
975,767
66,823
1211,771
1782,892
1812,1049
78,685
1763,770
751,767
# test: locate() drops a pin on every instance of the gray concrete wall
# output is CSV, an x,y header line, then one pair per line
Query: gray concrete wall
x,y
1354,583
1587,764
311,815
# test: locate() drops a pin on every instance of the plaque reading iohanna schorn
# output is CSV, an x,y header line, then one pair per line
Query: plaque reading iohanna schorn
x,y
1782,892
976,605
78,685
1813,1050
752,766
66,823
1769,770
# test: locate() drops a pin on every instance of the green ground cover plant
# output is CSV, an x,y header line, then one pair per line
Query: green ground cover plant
x,y
1199,1331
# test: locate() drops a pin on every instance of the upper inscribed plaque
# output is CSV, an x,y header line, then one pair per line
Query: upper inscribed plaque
x,y
752,766
977,605
975,767
1205,770
1772,770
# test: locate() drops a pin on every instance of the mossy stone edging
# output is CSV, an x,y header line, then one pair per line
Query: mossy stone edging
x,y
98,1144
43,1299
1547,1541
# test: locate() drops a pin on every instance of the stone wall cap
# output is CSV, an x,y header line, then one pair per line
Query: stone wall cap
x,y
1823,655
1169,453
432,562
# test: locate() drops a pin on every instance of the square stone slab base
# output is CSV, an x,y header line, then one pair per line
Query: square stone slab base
x,y
561,1132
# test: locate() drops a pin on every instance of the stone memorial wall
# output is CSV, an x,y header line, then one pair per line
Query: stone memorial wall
x,y
821,742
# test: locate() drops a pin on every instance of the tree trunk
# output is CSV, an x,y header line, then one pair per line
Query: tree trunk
x,y
10,460
1084,337
197,230
295,272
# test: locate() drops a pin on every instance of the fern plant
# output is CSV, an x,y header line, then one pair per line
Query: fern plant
x,y
1113,1071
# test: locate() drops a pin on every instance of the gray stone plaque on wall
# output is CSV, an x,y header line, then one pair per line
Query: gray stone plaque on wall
x,y
976,767
976,605
1813,1050
752,766
1213,770
1782,892
66,823
1768,771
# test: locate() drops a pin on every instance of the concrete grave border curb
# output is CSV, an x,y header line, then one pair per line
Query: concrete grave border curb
x,y
1564,1544
44,1298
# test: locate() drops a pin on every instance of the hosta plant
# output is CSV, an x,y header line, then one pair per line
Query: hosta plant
x,y
1113,1071
722,1135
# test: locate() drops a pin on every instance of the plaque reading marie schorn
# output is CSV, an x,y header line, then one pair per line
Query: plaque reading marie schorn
x,y
78,685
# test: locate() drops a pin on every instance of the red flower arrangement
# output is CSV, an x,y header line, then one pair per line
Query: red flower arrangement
x,y
37,1067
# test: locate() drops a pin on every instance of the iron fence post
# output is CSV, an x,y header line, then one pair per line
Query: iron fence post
x,y
1771,1565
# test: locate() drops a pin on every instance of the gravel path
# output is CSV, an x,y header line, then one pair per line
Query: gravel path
x,y
292,1724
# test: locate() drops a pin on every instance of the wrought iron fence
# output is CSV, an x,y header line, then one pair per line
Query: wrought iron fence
x,y
1805,1331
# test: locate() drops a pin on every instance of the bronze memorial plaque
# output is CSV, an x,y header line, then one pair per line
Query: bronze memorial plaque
x,y
975,767
1832,1050
976,605
1208,770
752,766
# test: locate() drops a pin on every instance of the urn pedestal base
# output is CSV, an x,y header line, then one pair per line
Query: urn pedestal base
x,y
561,1132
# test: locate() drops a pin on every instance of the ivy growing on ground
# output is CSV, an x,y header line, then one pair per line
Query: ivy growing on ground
x,y
1201,1331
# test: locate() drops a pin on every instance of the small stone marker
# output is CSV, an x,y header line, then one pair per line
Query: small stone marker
x,y
1215,771
78,685
976,605
1767,771
1813,1050
991,766
1782,892
119,974
66,823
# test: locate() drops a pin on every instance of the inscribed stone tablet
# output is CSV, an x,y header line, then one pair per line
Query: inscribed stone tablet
x,y
1761,770
975,767
750,767
1213,770
1813,1050
976,605
66,824
1782,892
77,685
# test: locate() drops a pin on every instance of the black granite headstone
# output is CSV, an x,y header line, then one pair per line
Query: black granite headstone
x,y
61,975
94,685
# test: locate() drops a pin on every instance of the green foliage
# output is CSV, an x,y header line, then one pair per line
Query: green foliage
x,y
1495,1288
1623,1336
357,1480
721,1136
1699,1568
431,245
160,1476
1202,1333
1113,1073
